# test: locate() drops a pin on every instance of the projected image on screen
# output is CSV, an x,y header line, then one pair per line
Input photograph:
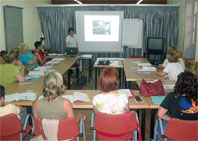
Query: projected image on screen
x,y
101,28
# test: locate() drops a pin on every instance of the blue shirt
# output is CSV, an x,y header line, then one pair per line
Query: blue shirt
x,y
26,58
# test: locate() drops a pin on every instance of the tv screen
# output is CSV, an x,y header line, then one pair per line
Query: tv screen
x,y
155,43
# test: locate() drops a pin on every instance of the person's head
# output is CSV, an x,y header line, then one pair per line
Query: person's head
x,y
179,53
23,48
38,45
11,57
187,84
53,85
2,95
71,31
172,48
172,58
3,53
108,80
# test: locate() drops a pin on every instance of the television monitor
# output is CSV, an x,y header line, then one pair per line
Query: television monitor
x,y
155,45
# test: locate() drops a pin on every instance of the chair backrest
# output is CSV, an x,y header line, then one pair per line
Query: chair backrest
x,y
111,127
10,127
67,128
182,129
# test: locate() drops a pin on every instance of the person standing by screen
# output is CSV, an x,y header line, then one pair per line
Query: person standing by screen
x,y
71,39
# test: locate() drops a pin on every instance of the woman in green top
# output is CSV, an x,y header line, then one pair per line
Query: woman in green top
x,y
12,70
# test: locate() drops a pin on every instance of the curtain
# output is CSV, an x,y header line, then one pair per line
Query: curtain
x,y
159,21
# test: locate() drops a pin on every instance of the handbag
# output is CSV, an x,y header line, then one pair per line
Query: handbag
x,y
151,89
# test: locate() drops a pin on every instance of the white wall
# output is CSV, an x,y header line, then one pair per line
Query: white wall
x,y
181,3
31,23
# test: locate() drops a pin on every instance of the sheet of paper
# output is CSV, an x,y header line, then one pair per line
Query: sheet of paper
x,y
69,97
157,99
79,96
136,62
87,55
144,64
32,73
20,96
115,63
147,69
127,92
171,86
43,68
58,59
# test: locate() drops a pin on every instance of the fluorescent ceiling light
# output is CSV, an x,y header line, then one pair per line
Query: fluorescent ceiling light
x,y
139,2
78,1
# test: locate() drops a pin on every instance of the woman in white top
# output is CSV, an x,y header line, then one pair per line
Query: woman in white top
x,y
109,100
71,39
173,68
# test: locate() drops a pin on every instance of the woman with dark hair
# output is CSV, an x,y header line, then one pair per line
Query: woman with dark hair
x,y
39,53
182,103
109,100
71,39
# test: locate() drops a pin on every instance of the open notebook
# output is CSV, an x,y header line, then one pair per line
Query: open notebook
x,y
28,96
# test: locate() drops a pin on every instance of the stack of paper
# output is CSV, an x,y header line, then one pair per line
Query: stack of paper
x,y
147,69
37,73
127,92
171,86
30,96
43,68
55,54
144,64
115,63
87,55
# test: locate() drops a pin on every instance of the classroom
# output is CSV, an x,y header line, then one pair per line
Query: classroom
x,y
69,67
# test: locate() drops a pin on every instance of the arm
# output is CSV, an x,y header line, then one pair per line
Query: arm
x,y
39,58
68,108
21,109
162,114
20,78
67,44
34,60
162,74
18,63
127,109
35,109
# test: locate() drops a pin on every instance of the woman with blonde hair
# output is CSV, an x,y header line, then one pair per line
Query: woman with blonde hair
x,y
12,70
26,57
53,106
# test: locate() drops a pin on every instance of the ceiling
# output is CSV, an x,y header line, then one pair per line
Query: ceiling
x,y
109,2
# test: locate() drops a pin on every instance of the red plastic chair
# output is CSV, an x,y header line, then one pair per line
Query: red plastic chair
x,y
115,127
178,129
11,128
67,129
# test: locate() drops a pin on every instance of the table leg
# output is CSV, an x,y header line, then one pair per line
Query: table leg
x,y
89,70
152,123
96,76
68,77
143,123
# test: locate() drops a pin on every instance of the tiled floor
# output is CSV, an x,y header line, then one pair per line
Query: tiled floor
x,y
90,86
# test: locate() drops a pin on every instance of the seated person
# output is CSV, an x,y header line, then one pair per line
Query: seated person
x,y
39,53
173,68
12,70
109,100
182,103
165,63
26,57
53,106
10,108
2,53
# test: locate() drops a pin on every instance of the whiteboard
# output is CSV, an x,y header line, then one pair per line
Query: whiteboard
x,y
132,33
